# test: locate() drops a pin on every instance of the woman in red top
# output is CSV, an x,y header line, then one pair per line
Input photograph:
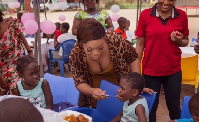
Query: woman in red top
x,y
161,30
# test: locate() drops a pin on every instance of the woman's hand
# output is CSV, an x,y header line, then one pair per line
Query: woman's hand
x,y
4,83
98,94
176,36
148,90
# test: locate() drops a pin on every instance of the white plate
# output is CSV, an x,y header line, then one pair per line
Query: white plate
x,y
63,114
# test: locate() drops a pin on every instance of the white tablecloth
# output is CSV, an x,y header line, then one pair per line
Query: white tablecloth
x,y
187,51
44,48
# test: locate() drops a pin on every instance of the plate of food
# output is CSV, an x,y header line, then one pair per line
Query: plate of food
x,y
74,116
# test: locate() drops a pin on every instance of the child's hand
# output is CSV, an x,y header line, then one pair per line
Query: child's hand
x,y
98,94
176,36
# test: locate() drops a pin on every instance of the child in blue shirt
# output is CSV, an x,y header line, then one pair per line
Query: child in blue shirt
x,y
135,108
32,86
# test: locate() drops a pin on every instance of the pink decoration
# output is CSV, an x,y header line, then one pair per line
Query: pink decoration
x,y
62,0
31,27
48,27
114,17
62,18
17,4
27,16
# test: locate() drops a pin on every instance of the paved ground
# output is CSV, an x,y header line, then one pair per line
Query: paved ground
x,y
131,15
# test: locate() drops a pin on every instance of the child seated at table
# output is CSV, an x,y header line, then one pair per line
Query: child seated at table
x,y
63,37
135,108
32,86
194,107
19,110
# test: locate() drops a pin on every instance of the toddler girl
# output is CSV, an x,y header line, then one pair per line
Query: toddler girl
x,y
32,86
135,108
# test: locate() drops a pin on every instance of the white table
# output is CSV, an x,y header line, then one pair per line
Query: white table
x,y
44,49
187,51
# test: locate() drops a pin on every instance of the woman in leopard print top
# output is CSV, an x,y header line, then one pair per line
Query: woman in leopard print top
x,y
95,53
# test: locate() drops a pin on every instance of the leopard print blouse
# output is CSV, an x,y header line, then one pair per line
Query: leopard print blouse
x,y
122,54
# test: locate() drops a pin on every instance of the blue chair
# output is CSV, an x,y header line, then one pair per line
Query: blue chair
x,y
67,47
150,99
194,39
111,89
106,109
185,113
109,108
62,89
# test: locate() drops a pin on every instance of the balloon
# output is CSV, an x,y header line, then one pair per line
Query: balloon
x,y
62,6
11,5
62,18
48,27
31,4
31,27
114,17
115,8
62,0
27,16
17,4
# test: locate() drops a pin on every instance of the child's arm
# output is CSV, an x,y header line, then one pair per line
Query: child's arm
x,y
118,117
47,94
140,112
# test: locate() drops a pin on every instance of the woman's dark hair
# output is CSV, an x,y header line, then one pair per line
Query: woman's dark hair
x,y
22,62
97,2
136,80
57,24
90,29
65,25
1,16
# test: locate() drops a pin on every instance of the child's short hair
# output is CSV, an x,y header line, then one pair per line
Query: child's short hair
x,y
65,25
19,110
57,24
194,105
121,20
22,62
136,80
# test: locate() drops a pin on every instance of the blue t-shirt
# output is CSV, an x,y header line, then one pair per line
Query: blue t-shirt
x,y
36,95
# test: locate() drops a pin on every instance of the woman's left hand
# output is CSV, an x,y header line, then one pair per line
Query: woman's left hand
x,y
148,90
176,36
